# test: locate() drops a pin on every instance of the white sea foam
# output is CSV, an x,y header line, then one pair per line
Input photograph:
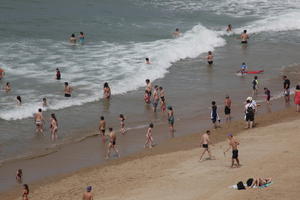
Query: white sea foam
x,y
88,67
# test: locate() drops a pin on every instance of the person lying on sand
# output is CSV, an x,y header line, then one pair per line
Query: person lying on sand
x,y
258,182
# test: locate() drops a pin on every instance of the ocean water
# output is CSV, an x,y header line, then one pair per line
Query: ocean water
x,y
119,35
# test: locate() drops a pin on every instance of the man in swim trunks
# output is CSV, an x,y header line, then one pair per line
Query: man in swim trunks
x,y
244,37
88,194
39,120
205,141
286,89
2,73
112,143
227,108
102,127
68,90
210,58
255,86
155,98
233,144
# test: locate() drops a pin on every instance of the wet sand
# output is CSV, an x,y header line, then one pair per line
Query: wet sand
x,y
172,171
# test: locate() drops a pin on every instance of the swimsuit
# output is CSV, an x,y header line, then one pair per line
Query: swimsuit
x,y
171,120
205,146
38,122
210,62
244,42
227,110
67,95
235,154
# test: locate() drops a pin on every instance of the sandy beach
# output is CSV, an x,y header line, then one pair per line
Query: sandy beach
x,y
172,170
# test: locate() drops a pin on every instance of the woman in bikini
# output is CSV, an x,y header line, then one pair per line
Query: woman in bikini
x,y
106,91
122,124
53,126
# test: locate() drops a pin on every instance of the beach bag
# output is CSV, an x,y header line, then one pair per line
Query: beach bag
x,y
240,185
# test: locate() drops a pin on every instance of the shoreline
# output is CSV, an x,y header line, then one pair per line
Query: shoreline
x,y
181,143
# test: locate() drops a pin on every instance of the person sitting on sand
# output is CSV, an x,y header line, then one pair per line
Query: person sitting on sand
x,y
88,194
73,39
204,142
244,37
176,33
19,100
233,144
297,98
258,182
171,120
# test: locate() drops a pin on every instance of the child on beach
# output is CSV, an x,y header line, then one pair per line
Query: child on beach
x,y
106,91
147,97
102,127
149,138
19,175
163,105
171,120
53,127
268,95
122,124
214,115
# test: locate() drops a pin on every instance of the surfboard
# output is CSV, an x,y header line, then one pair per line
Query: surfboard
x,y
255,72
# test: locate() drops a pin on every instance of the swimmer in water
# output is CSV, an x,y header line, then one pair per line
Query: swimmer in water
x,y
7,87
149,87
58,74
39,120
45,104
19,100
176,33
244,37
122,124
73,39
81,37
268,95
106,91
112,143
229,28
53,127
2,73
210,58
68,90
149,138
147,61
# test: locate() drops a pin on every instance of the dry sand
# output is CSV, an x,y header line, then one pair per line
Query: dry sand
x,y
270,151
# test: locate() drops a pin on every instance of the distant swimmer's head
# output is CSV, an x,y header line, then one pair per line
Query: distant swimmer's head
x,y
7,84
243,63
177,29
110,129
147,59
265,88
102,118
89,188
44,99
105,85
122,116
19,99
57,69
156,87
66,83
73,35
245,31
147,81
151,125
40,110
213,103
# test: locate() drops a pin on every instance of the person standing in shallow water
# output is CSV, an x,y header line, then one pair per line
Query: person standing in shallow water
x,y
112,143
39,120
53,127
244,37
58,74
122,124
25,192
72,39
106,91
81,37
68,90
155,98
149,138
227,108
286,89
210,58
171,120
214,114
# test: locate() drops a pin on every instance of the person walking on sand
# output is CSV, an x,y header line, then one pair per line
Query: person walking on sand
x,y
88,194
254,86
268,95
286,89
106,91
102,127
147,97
68,90
244,37
204,142
227,108
122,124
171,120
53,127
25,192
297,98
155,98
44,102
149,138
249,111
39,120
214,115
210,58
112,143
233,144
